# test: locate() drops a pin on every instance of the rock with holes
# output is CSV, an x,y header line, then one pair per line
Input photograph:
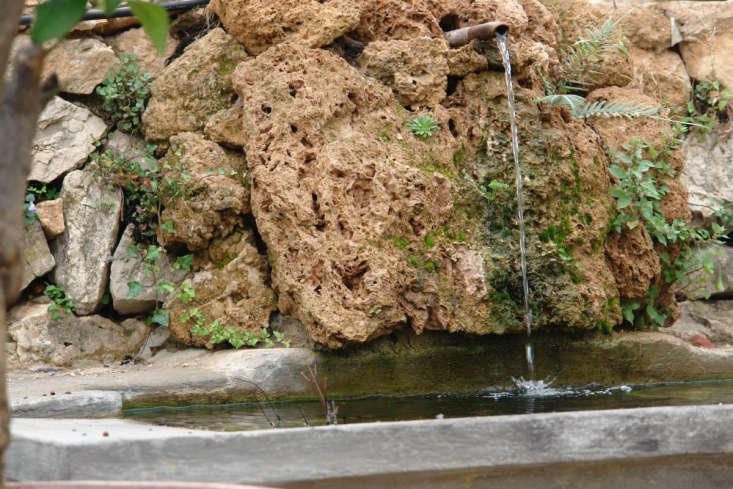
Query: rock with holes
x,y
259,24
68,340
210,193
416,70
80,64
64,139
225,127
231,288
193,87
92,213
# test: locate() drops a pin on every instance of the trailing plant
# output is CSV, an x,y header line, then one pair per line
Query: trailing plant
x,y
423,126
220,333
60,304
709,106
489,191
580,108
642,175
125,93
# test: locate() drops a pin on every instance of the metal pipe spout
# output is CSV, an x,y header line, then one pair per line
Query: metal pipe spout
x,y
485,32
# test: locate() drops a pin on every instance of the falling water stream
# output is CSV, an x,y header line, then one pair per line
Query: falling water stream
x,y
504,49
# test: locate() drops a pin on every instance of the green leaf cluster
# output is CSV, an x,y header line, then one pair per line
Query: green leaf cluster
x,y
220,333
423,126
61,303
125,93
581,109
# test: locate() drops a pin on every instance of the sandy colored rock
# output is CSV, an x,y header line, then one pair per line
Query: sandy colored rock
x,y
712,320
708,172
64,139
80,64
37,258
70,340
128,147
259,24
193,87
135,41
416,70
662,76
128,267
214,191
232,288
465,60
225,127
51,215
697,21
92,213
710,59
634,262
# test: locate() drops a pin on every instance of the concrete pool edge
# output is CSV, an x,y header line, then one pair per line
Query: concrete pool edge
x,y
68,449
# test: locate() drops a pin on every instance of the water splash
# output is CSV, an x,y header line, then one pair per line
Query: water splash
x,y
541,388
504,49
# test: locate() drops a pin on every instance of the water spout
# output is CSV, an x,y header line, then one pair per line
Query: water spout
x,y
484,32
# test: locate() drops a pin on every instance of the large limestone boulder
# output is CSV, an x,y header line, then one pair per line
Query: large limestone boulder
x,y
80,64
710,59
214,195
128,266
231,288
37,258
416,70
70,340
64,139
193,87
92,213
135,41
259,24
708,172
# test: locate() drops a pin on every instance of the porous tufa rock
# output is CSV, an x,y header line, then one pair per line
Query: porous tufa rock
x,y
259,24
193,87
80,64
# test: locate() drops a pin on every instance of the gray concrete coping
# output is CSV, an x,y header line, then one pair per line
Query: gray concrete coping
x,y
92,404
115,449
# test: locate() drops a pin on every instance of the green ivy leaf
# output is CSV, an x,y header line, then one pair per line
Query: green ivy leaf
x,y
160,317
134,289
154,20
55,18
168,227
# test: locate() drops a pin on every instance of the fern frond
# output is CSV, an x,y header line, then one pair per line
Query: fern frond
x,y
581,109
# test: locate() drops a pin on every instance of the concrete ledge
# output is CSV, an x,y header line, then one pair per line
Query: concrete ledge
x,y
47,449
93,404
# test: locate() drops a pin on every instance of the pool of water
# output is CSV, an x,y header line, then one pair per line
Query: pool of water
x,y
525,398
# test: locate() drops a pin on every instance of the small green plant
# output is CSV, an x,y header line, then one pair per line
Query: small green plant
x,y
423,126
581,109
61,303
642,175
125,93
709,106
220,333
29,209
489,191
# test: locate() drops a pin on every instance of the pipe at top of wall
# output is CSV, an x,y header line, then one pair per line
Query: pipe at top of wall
x,y
485,31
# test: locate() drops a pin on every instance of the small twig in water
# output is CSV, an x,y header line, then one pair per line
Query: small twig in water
x,y
330,410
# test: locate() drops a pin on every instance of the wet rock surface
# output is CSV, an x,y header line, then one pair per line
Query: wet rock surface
x,y
92,214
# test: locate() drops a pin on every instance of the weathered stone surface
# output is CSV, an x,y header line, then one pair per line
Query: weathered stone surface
x,y
70,340
37,258
64,139
51,215
711,320
708,172
465,60
634,262
154,342
711,59
128,147
193,87
92,212
416,70
259,24
662,76
225,127
135,41
702,285
215,194
232,288
80,64
128,268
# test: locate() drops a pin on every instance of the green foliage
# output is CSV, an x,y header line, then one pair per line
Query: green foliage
x,y
709,105
489,191
36,194
125,93
220,333
55,18
642,173
423,126
29,209
581,109
61,303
